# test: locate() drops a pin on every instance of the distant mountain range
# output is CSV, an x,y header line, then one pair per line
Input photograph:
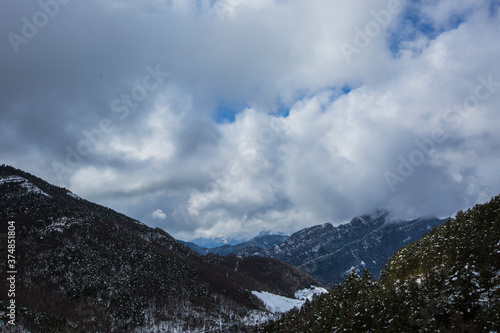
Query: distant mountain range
x,y
328,253
242,249
215,241
82,267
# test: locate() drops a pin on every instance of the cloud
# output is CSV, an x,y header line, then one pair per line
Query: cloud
x,y
314,135
158,215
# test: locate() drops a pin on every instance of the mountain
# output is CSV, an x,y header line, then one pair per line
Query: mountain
x,y
250,247
196,248
215,242
82,267
328,253
447,281
244,249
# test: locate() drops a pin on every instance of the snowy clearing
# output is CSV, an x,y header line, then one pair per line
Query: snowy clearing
x,y
276,303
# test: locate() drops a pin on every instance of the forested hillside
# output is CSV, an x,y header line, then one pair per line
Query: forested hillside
x,y
448,281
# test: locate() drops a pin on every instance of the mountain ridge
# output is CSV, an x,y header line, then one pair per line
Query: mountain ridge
x,y
328,253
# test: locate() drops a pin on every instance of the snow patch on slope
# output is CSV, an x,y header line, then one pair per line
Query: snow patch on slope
x,y
276,303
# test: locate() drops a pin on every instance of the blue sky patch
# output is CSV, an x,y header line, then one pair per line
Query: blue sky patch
x,y
225,114
413,24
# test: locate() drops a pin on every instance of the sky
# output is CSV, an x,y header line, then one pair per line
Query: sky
x,y
227,118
